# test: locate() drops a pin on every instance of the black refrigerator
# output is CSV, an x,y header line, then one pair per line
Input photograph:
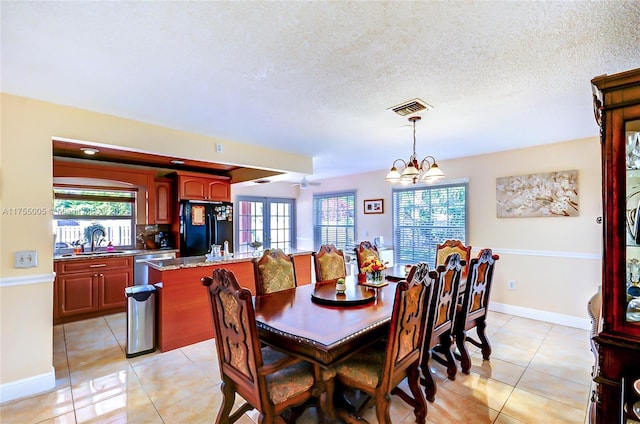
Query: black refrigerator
x,y
203,224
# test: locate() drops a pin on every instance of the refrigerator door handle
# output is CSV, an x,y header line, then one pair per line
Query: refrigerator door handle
x,y
210,235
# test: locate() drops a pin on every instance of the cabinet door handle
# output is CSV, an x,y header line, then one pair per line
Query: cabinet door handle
x,y
97,266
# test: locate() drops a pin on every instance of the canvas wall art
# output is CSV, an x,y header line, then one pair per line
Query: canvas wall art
x,y
533,195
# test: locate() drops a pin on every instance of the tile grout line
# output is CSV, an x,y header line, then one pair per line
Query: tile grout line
x,y
66,354
133,368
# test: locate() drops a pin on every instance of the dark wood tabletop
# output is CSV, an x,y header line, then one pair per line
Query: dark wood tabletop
x,y
396,273
289,320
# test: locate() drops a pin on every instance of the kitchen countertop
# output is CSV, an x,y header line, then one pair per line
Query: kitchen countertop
x,y
200,261
115,253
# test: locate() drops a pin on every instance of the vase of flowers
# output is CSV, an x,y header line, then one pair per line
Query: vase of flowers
x,y
373,267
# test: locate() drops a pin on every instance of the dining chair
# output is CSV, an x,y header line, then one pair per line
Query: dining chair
x,y
274,271
268,380
363,251
473,311
438,337
329,263
378,369
453,246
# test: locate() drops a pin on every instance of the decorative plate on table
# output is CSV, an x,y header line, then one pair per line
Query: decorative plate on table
x,y
375,284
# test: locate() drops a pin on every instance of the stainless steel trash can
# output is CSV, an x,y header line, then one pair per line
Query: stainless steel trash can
x,y
141,317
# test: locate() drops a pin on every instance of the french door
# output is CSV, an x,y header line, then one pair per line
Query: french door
x,y
266,220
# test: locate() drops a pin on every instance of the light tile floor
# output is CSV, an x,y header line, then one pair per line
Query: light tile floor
x,y
538,373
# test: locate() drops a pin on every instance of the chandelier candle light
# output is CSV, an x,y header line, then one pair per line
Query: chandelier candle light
x,y
425,170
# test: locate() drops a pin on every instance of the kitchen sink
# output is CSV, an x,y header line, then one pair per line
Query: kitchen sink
x,y
100,253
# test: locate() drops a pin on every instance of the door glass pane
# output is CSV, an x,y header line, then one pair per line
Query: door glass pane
x,y
632,132
280,225
250,224
268,221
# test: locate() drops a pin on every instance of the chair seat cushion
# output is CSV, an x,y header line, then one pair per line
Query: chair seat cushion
x,y
365,366
287,382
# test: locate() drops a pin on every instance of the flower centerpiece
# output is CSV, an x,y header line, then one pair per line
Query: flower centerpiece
x,y
373,267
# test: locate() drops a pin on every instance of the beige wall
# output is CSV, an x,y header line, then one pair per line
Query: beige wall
x,y
564,253
27,127
555,262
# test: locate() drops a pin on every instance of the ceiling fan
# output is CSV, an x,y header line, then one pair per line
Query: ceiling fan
x,y
304,183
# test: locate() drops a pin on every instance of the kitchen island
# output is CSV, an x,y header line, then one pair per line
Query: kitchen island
x,y
184,314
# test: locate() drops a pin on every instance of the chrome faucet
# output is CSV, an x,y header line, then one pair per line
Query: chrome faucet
x,y
93,237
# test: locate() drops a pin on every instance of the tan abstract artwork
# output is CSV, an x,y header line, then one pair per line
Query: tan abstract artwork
x,y
533,195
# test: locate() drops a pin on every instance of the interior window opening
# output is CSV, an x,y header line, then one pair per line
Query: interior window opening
x,y
95,218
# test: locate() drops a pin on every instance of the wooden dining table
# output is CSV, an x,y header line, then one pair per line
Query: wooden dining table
x,y
305,322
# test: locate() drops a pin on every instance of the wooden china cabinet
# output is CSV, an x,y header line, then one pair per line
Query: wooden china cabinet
x,y
617,340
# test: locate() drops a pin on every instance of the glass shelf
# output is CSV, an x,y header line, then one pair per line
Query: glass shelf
x,y
632,222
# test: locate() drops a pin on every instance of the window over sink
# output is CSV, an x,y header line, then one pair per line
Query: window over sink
x,y
81,213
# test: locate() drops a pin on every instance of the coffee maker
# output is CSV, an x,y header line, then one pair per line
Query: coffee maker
x,y
164,239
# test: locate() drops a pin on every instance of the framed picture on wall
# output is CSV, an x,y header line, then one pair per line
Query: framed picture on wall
x,y
374,206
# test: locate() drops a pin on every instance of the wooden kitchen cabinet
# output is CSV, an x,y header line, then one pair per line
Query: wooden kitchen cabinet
x,y
87,288
163,205
203,187
77,293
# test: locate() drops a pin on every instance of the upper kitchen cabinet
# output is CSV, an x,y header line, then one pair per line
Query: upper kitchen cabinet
x,y
193,186
163,199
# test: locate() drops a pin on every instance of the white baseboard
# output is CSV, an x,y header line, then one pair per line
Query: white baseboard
x,y
28,387
551,317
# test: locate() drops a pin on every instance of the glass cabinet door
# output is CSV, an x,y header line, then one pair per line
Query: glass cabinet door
x,y
632,221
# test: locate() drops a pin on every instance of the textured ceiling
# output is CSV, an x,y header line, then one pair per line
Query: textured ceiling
x,y
317,78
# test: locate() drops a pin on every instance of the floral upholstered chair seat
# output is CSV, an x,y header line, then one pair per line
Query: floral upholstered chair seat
x,y
287,382
365,367
274,271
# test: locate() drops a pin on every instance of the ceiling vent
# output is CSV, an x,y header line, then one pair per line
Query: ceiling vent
x,y
411,106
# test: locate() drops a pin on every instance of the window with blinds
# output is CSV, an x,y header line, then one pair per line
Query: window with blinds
x,y
426,216
334,219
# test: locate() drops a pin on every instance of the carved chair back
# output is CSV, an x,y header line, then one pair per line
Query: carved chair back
x,y
475,302
267,380
378,370
453,246
365,250
329,263
274,271
237,340
442,317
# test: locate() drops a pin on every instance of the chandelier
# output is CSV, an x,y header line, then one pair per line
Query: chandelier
x,y
426,170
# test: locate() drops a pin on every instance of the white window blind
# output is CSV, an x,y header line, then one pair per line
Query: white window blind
x,y
426,216
334,219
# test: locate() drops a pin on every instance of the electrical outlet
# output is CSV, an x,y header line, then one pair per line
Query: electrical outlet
x,y
512,284
26,259
218,147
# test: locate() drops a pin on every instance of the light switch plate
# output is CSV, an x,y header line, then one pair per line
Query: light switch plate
x,y
26,259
